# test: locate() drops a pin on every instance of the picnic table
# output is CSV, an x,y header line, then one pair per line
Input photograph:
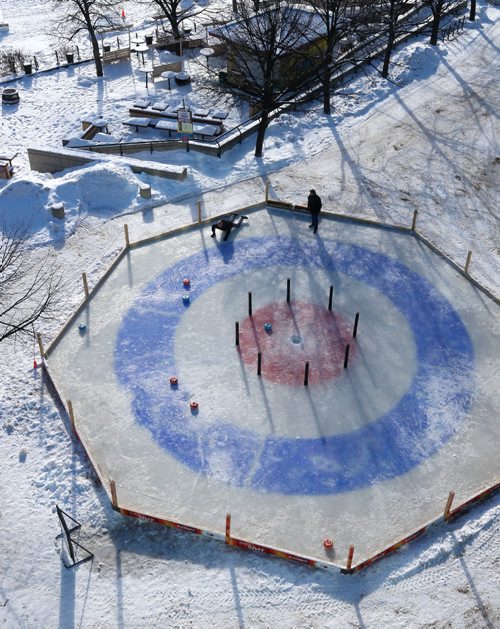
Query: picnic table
x,y
220,115
137,122
160,105
201,113
166,125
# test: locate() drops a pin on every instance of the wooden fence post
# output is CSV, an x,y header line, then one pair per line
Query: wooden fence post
x,y
267,191
467,263
447,509
414,223
127,240
350,556
199,211
85,285
228,529
114,499
71,414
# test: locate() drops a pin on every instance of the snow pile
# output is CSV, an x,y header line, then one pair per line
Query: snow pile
x,y
102,190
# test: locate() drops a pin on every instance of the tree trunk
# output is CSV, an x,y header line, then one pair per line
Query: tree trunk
x,y
174,25
472,14
95,50
327,108
261,132
435,29
387,55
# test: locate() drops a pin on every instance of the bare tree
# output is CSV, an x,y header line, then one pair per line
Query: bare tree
x,y
28,292
335,22
176,12
86,16
261,64
439,8
395,18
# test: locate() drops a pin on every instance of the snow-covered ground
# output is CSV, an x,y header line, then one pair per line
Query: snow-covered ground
x,y
428,143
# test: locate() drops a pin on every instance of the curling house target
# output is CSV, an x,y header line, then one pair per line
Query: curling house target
x,y
378,441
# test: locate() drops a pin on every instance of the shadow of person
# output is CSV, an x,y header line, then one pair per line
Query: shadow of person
x,y
226,249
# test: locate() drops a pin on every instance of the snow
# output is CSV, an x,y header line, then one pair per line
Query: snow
x,y
426,143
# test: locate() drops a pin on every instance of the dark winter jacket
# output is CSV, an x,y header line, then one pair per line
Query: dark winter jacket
x,y
314,203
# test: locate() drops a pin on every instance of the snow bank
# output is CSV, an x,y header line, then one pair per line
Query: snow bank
x,y
102,190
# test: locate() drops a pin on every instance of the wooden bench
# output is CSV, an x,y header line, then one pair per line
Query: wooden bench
x,y
116,55
6,168
92,128
168,43
174,66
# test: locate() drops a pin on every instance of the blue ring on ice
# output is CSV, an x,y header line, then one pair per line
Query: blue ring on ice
x,y
390,446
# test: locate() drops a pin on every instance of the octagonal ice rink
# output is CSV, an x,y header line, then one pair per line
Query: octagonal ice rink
x,y
363,455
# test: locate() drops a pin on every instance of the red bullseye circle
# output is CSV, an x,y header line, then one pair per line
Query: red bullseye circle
x,y
301,332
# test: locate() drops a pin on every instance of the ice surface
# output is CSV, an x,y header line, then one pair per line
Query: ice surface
x,y
195,468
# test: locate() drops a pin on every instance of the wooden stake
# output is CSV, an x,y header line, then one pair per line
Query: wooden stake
x,y
414,223
127,240
350,556
114,499
228,528
267,191
237,332
467,263
330,298
40,344
250,304
85,285
259,363
355,331
199,211
71,414
346,356
287,290
447,509
306,374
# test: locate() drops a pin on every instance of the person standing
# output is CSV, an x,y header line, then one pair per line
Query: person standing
x,y
314,206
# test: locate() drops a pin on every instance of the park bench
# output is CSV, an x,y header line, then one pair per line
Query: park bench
x,y
6,168
173,66
116,55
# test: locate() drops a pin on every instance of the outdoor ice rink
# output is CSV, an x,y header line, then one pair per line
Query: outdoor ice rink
x,y
363,455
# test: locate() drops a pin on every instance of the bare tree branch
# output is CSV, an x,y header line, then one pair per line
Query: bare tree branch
x,y
86,16
260,66
28,290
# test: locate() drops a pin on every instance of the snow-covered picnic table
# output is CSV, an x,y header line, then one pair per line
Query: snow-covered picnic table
x,y
137,122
